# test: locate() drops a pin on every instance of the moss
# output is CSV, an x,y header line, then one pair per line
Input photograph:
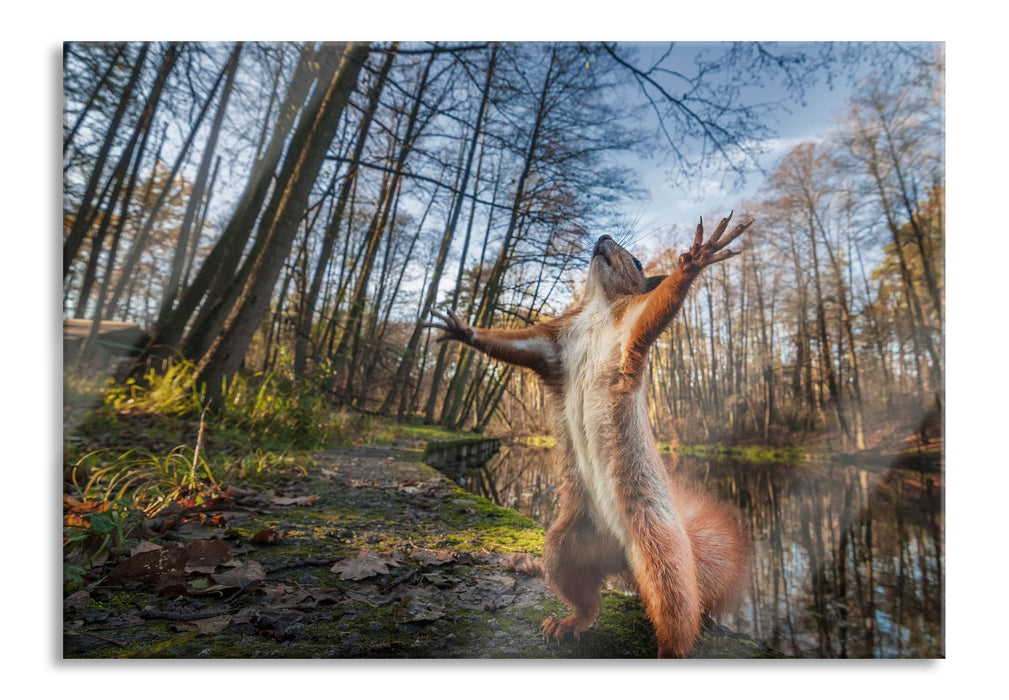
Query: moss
x,y
787,455
545,441
477,523
622,630
353,514
120,600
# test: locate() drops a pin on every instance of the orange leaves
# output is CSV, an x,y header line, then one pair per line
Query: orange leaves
x,y
74,511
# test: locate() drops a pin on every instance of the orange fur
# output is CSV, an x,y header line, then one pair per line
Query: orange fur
x,y
620,510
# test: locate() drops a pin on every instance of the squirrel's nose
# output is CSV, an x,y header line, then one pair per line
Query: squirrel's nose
x,y
598,248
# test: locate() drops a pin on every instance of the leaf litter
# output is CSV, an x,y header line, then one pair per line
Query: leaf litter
x,y
357,558
256,567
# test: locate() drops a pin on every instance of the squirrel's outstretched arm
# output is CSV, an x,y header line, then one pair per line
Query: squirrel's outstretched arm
x,y
656,309
533,347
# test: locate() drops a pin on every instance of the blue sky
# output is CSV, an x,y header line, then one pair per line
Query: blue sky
x,y
681,205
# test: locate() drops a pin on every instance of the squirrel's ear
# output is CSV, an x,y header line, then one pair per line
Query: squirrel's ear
x,y
653,282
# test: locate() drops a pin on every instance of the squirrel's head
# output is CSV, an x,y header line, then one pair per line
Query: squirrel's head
x,y
615,273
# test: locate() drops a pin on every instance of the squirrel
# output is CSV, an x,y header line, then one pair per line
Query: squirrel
x,y
620,510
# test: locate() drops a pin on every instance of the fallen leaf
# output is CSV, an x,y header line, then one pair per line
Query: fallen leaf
x,y
190,530
237,492
145,546
206,555
167,562
418,610
278,591
294,500
433,556
76,600
206,626
364,566
269,536
440,580
246,574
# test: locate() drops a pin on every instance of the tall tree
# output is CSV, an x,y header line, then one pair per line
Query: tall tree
x,y
347,350
304,159
82,218
218,268
199,186
407,360
307,311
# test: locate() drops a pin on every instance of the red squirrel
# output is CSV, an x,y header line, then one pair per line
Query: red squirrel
x,y
621,512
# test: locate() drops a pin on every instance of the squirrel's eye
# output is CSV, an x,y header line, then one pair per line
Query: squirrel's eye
x,y
637,264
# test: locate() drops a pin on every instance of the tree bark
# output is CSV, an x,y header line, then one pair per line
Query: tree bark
x,y
403,372
217,270
135,153
140,241
347,349
85,212
305,157
304,329
196,196
69,137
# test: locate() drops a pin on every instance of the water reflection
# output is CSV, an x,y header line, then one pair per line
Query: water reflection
x,y
848,561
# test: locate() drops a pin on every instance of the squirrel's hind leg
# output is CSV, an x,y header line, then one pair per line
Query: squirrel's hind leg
x,y
577,559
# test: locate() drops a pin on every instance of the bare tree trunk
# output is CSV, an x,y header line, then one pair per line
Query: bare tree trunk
x,y
826,357
87,208
332,231
305,157
847,326
191,257
217,271
196,196
140,241
347,349
407,362
492,291
463,355
68,138
142,132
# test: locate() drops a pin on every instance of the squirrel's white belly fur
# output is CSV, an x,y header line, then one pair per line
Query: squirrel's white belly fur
x,y
591,354
593,350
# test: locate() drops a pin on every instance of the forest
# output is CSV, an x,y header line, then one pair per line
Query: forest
x,y
256,235
288,215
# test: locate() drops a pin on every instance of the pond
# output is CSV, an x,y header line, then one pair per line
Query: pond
x,y
848,560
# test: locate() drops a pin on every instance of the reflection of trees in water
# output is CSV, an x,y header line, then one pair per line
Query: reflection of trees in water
x,y
848,562
520,478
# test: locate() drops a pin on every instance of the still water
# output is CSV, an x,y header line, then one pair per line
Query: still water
x,y
848,561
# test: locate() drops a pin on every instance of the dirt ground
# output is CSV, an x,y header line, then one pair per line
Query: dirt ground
x,y
371,553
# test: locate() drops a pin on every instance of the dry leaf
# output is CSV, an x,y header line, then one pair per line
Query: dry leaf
x,y
294,500
433,556
145,546
167,562
247,573
206,555
206,626
418,610
269,536
364,566
77,600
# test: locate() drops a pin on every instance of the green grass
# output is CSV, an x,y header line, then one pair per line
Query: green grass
x,y
788,455
537,441
151,440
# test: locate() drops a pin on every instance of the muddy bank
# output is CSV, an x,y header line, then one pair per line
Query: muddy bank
x,y
371,553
